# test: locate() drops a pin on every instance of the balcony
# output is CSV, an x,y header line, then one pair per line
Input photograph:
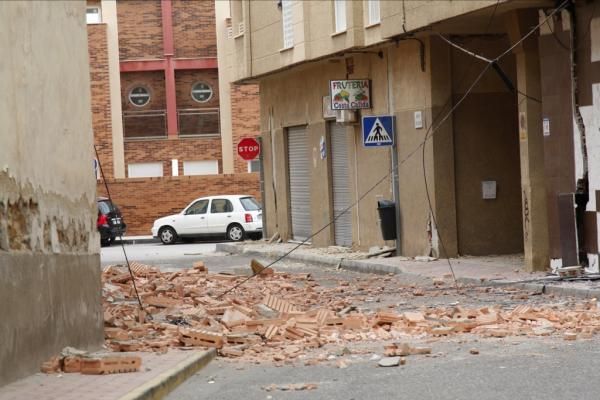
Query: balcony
x,y
198,122
147,124
152,124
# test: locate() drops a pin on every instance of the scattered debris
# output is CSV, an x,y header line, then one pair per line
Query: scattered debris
x,y
391,361
290,387
282,316
73,360
474,351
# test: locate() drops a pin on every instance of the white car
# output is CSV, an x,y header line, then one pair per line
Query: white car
x,y
234,216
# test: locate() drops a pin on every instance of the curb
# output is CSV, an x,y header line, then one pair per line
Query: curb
x,y
374,268
164,383
137,241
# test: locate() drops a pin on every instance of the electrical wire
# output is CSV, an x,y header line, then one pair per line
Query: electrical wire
x,y
589,28
137,295
431,131
448,101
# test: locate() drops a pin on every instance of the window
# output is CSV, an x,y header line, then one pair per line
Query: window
x,y
139,96
93,15
145,170
339,12
104,207
199,207
250,204
201,92
221,206
286,18
374,14
254,165
207,167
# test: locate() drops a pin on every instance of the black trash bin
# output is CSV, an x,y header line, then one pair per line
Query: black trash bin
x,y
387,216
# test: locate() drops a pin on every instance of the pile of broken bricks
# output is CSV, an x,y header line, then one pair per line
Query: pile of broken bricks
x,y
72,360
278,316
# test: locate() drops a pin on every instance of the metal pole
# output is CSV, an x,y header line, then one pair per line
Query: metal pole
x,y
395,179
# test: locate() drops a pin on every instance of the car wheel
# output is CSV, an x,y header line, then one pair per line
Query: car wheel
x,y
235,233
167,235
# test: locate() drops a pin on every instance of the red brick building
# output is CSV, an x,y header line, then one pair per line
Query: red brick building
x,y
161,133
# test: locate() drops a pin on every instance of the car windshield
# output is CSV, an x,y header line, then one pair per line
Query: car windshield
x,y
104,207
250,204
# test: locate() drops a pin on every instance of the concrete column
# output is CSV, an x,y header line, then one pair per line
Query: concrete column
x,y
225,73
442,188
535,216
109,17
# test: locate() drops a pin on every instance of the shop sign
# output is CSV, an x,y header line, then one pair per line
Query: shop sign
x,y
350,94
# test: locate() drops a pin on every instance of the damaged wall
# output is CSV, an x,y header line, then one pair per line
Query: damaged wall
x,y
49,262
588,62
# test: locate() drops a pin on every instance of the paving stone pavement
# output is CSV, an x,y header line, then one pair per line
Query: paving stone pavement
x,y
76,386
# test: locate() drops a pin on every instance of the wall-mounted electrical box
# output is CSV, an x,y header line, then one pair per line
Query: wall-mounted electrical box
x,y
488,190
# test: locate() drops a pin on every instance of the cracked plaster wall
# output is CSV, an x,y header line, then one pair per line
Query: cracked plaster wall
x,y
46,183
49,262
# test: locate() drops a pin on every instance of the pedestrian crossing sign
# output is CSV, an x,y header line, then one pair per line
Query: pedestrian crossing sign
x,y
378,131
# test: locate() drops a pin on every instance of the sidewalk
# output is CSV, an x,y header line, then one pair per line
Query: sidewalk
x,y
490,271
159,375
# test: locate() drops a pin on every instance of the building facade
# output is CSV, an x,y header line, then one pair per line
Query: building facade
x,y
166,122
495,122
49,248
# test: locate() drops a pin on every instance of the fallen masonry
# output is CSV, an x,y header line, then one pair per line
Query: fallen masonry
x,y
279,316
99,363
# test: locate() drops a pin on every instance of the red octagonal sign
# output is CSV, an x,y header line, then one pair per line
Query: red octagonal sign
x,y
248,149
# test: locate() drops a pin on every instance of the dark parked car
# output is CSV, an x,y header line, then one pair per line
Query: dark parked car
x,y
110,221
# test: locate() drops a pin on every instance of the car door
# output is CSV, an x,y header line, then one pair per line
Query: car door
x,y
220,216
194,219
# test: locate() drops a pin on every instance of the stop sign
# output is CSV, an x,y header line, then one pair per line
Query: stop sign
x,y
248,149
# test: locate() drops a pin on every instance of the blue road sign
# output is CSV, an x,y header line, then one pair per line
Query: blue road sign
x,y
378,131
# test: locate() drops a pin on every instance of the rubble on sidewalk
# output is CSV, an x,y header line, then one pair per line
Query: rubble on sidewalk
x,y
280,316
72,360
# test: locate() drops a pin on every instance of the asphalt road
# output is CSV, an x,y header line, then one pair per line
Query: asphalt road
x,y
513,368
504,370
173,256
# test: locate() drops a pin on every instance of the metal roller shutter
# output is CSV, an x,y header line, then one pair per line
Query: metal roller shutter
x,y
298,162
342,196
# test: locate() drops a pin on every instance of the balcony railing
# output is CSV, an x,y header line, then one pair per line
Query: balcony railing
x,y
198,121
145,124
152,124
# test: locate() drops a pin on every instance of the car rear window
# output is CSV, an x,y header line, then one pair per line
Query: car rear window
x,y
104,207
250,204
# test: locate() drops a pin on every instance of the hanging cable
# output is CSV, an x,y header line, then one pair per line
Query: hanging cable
x,y
137,295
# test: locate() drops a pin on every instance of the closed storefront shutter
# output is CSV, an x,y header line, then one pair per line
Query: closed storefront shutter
x,y
342,196
298,162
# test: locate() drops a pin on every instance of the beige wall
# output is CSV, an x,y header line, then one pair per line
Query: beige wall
x,y
487,148
468,141
285,102
314,32
50,275
295,98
